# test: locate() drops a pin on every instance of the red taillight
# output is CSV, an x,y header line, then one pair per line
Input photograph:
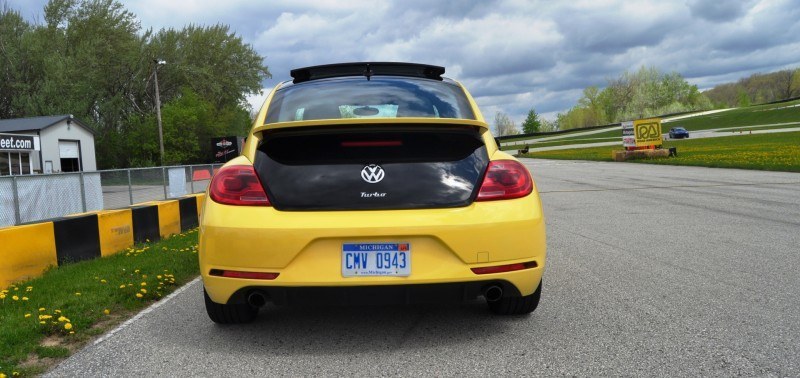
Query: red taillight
x,y
505,179
504,268
240,274
238,185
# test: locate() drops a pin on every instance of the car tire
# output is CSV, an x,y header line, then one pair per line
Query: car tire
x,y
517,305
229,313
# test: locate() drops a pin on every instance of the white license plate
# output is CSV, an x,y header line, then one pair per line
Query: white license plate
x,y
376,259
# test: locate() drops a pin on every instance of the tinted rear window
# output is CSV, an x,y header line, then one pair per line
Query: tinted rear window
x,y
385,97
324,168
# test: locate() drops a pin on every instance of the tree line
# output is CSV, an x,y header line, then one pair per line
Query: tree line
x,y
648,92
91,58
757,89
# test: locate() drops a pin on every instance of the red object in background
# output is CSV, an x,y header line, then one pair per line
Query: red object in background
x,y
203,174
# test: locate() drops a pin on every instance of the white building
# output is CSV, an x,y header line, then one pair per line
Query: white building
x,y
45,145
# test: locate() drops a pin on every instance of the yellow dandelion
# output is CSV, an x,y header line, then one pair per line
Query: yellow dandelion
x,y
103,281
29,288
71,332
41,309
28,315
24,298
144,284
16,298
68,326
144,291
122,286
106,311
78,294
41,322
57,311
136,271
45,317
62,318
158,276
139,295
2,296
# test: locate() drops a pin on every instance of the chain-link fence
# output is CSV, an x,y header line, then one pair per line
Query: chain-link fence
x,y
32,198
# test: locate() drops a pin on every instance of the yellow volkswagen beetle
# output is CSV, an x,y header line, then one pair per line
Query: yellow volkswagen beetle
x,y
374,183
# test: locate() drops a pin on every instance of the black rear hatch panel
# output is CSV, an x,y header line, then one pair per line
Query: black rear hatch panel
x,y
371,167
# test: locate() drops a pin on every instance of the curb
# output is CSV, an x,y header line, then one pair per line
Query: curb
x,y
27,251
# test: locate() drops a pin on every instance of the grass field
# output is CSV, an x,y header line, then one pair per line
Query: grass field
x,y
748,128
773,152
752,115
47,318
740,119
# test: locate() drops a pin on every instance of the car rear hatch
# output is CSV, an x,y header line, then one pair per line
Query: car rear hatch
x,y
371,167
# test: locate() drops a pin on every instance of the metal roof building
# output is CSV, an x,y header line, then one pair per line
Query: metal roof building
x,y
49,144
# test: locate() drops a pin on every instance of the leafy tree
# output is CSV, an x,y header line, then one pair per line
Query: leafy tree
x,y
644,93
90,58
14,68
548,126
504,125
532,123
757,88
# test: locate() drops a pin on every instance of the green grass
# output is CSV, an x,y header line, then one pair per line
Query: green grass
x,y
772,152
748,128
749,116
740,118
79,294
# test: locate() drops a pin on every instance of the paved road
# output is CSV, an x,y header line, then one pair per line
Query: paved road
x,y
653,270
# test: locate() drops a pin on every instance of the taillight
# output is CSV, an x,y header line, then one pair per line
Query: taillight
x,y
238,185
505,179
241,274
505,268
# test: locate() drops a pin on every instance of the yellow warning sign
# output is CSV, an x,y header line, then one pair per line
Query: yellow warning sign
x,y
647,132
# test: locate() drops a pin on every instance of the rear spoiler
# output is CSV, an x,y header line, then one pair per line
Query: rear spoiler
x,y
372,121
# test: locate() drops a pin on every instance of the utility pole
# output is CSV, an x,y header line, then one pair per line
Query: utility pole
x,y
158,110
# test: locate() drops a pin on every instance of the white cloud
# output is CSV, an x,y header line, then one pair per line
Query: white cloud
x,y
511,54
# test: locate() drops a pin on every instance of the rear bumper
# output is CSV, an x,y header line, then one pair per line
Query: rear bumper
x,y
304,248
445,293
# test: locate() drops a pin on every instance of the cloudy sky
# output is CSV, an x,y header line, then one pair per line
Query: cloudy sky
x,y
511,54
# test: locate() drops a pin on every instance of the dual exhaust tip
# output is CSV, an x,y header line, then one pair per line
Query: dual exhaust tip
x,y
492,293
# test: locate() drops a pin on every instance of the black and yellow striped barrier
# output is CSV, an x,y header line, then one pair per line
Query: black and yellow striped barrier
x,y
27,251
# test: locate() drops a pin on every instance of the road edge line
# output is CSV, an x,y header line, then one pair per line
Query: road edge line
x,y
144,312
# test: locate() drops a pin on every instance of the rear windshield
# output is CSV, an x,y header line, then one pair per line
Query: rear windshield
x,y
381,97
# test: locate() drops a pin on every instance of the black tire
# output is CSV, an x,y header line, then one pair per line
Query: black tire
x,y
517,305
229,313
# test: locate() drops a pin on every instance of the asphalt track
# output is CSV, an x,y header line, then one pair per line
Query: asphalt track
x,y
652,270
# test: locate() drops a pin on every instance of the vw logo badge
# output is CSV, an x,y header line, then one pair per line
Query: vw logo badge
x,y
372,173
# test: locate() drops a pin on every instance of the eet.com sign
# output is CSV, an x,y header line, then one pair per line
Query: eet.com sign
x,y
14,142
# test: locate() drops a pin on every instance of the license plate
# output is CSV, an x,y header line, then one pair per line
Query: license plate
x,y
376,259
